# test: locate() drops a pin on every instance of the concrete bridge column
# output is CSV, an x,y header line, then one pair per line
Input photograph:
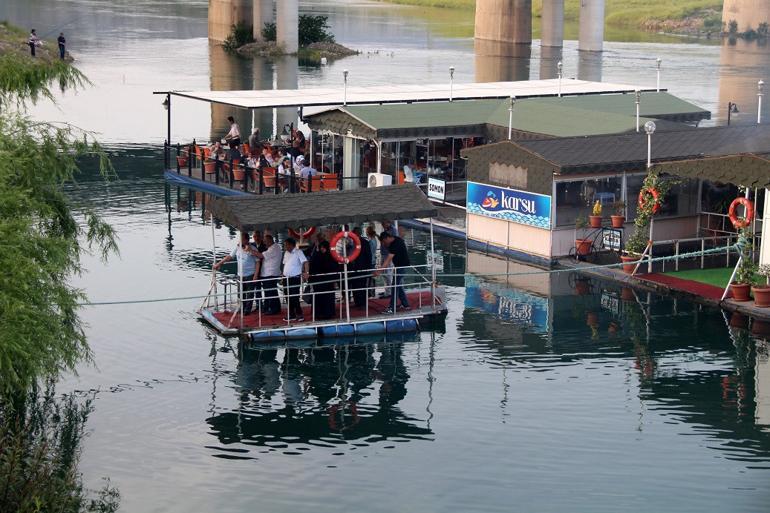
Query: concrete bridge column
x,y
747,14
509,21
264,12
287,24
223,14
552,24
591,32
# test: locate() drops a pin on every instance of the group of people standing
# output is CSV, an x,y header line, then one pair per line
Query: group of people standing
x,y
34,42
262,265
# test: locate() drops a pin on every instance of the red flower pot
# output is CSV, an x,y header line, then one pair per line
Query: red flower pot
x,y
582,246
627,293
181,161
628,268
738,320
210,166
740,291
618,221
595,221
761,296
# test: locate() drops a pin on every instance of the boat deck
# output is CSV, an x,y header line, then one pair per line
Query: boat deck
x,y
362,322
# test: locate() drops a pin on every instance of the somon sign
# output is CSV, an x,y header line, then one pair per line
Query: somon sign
x,y
436,189
509,204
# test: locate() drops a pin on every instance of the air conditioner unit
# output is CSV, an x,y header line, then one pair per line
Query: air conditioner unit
x,y
379,179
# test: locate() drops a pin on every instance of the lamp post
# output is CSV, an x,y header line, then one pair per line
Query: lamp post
x,y
760,85
649,129
732,108
657,67
510,117
451,81
638,95
345,87
559,67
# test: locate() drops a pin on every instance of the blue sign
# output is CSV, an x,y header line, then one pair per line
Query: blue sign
x,y
517,306
509,204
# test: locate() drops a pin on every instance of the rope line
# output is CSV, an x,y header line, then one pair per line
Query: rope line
x,y
444,275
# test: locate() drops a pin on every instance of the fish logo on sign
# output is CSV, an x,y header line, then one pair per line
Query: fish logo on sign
x,y
490,202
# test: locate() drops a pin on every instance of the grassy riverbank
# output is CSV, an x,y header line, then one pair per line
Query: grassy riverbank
x,y
13,40
641,14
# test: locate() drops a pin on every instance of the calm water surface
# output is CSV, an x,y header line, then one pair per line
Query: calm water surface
x,y
539,394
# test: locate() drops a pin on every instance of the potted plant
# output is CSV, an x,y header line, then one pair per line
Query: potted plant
x,y
619,217
762,292
596,218
582,246
743,279
634,248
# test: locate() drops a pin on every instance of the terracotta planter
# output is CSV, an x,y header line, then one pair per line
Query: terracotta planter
x,y
618,221
628,268
740,291
181,161
239,174
595,221
627,293
210,167
582,246
761,296
739,320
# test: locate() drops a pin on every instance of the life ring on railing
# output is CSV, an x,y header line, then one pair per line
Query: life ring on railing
x,y
353,254
304,235
737,221
334,410
652,191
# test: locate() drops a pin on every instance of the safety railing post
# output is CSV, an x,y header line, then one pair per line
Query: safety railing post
x,y
676,261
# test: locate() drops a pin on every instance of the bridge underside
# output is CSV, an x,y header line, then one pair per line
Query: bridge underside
x,y
224,14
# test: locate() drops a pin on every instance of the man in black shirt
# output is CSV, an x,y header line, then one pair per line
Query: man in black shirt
x,y
399,257
62,45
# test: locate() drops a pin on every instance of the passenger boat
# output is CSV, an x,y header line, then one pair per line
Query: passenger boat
x,y
223,305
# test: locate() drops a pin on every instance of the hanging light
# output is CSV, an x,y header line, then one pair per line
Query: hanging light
x,y
166,103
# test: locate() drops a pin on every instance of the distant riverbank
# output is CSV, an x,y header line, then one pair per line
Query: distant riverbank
x,y
697,17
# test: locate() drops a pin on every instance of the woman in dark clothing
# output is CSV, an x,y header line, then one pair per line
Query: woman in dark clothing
x,y
323,269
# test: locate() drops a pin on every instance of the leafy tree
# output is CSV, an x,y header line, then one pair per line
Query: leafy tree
x,y
314,29
41,234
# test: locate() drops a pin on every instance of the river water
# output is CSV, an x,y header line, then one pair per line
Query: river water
x,y
541,394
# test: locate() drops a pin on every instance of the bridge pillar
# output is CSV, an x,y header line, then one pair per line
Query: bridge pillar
x,y
591,32
264,12
223,14
552,24
508,21
747,14
287,25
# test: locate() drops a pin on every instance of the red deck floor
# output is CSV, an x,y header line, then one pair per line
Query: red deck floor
x,y
693,287
376,307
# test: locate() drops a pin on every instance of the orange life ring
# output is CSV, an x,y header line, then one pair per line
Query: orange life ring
x,y
652,191
334,411
304,235
353,254
738,222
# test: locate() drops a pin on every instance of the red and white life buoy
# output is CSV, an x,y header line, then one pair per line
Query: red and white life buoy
x,y
737,221
652,191
304,235
353,254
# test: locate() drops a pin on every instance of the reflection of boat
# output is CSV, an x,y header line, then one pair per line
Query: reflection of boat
x,y
372,315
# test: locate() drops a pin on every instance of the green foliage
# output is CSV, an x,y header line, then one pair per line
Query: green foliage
x,y
40,440
762,30
240,35
747,270
314,29
269,32
712,23
638,240
41,233
732,27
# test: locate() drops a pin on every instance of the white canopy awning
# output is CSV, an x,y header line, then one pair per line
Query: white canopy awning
x,y
324,97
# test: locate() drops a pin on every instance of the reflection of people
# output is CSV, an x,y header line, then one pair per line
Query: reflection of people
x,y
295,269
245,254
322,272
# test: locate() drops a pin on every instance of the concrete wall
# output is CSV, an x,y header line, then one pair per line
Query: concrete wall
x,y
747,13
504,20
223,14
518,237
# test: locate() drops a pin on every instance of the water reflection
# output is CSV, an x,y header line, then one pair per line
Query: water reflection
x,y
496,61
336,398
550,56
741,65
590,66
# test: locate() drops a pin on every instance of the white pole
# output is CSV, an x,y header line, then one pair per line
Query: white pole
x,y
559,67
451,81
657,83
433,268
510,117
213,259
638,94
345,87
649,150
345,270
759,102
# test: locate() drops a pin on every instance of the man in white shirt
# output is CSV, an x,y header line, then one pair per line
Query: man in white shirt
x,y
295,269
270,272
234,135
248,270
